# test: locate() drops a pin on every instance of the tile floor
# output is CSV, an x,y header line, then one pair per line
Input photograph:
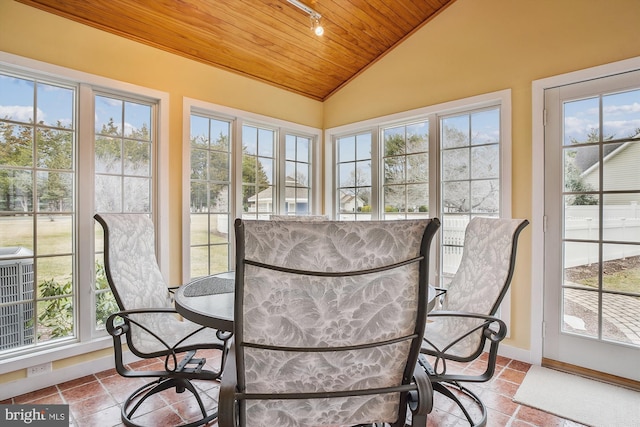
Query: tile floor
x,y
94,400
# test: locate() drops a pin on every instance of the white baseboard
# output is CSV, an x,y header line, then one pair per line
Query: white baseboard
x,y
57,376
517,354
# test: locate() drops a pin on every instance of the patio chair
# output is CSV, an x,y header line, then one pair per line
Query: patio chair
x,y
328,324
147,319
456,333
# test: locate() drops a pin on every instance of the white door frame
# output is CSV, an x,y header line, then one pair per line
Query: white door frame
x,y
537,191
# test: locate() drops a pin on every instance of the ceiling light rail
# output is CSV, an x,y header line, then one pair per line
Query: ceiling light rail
x,y
315,16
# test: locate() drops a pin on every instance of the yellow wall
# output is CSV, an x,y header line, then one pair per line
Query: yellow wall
x,y
476,47
473,47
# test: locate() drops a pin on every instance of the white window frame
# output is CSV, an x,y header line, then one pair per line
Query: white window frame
x,y
88,338
238,119
433,113
538,120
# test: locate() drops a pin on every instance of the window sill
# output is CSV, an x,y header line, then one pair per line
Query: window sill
x,y
23,361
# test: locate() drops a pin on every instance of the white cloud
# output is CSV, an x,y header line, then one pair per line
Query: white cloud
x,y
17,112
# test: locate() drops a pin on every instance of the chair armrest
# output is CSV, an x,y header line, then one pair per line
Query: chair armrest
x,y
489,333
421,403
493,330
226,401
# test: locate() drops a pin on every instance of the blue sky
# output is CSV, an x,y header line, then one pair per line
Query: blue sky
x,y
620,116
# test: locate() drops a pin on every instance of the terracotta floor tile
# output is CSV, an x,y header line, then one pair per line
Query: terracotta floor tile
x,y
94,399
519,366
84,391
498,402
538,418
35,395
107,417
161,417
84,408
76,382
512,375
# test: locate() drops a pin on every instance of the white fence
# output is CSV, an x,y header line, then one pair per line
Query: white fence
x,y
452,234
621,223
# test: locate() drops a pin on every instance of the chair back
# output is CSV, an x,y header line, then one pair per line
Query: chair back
x,y
479,286
130,261
486,268
328,319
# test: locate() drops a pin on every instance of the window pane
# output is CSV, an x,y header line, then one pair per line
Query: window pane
x,y
418,168
581,121
108,116
17,141
17,99
620,169
580,169
485,161
55,234
108,193
454,132
621,267
620,115
137,158
137,119
137,195
418,137
55,191
199,132
485,127
16,190
55,106
363,146
485,197
347,149
455,164
621,217
455,197
108,152
54,149
394,170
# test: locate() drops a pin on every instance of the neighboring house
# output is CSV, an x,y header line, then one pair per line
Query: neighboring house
x,y
296,199
620,171
350,203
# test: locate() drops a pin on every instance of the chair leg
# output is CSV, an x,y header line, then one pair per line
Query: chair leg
x,y
444,388
148,390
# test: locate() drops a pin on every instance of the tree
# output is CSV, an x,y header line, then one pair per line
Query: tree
x,y
16,149
573,179
254,178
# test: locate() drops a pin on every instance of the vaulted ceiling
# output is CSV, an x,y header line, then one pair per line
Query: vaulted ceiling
x,y
268,40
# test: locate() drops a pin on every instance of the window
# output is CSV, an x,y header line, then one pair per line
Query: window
x,y
123,162
258,162
241,165
210,207
38,124
51,184
469,175
297,200
354,176
405,159
443,161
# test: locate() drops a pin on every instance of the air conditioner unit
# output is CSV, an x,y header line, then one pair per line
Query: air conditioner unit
x,y
16,297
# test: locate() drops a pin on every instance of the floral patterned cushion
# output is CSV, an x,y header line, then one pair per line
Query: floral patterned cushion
x,y
134,273
284,309
477,284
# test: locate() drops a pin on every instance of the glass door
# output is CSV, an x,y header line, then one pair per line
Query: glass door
x,y
592,225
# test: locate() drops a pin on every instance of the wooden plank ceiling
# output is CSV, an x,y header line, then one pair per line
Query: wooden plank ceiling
x,y
268,40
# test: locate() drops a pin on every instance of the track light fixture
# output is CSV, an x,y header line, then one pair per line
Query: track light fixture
x,y
315,16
